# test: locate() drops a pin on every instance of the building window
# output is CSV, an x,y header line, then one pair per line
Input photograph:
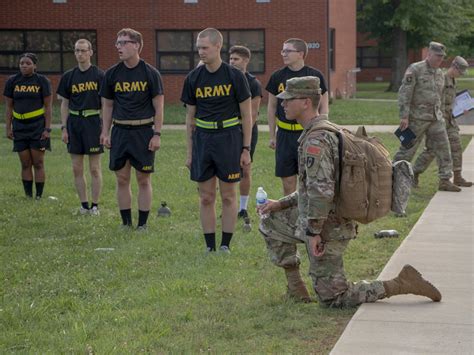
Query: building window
x,y
55,49
177,53
332,49
373,57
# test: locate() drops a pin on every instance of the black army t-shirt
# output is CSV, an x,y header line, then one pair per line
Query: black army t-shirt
x,y
81,88
277,83
216,95
27,92
255,86
132,90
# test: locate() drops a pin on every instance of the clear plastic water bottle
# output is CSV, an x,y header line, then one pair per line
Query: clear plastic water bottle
x,y
262,199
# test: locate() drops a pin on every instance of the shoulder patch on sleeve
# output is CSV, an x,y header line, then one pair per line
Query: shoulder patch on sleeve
x,y
313,150
408,77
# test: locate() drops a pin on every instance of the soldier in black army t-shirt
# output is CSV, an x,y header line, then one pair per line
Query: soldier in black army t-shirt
x,y
81,123
28,121
286,141
239,57
132,96
217,99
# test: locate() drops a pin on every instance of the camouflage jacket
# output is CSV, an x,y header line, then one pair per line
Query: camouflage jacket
x,y
318,157
449,94
420,95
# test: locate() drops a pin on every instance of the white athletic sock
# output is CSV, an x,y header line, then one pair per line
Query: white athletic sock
x,y
244,201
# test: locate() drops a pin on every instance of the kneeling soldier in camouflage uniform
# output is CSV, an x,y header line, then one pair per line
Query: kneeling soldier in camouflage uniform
x,y
307,216
458,67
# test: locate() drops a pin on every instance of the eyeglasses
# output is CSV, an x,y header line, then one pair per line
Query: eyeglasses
x,y
123,43
81,50
286,51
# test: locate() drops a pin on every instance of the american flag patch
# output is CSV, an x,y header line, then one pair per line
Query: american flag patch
x,y
313,150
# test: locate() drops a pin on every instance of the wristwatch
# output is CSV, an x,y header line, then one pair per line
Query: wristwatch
x,y
157,134
48,130
246,147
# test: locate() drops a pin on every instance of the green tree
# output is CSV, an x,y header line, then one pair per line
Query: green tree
x,y
404,24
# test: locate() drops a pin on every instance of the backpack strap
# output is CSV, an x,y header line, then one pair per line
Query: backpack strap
x,y
325,125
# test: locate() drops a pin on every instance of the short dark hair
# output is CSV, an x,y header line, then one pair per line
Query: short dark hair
x,y
32,56
241,51
134,36
299,44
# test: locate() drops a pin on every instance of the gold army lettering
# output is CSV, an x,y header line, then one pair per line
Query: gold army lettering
x,y
281,87
27,88
126,86
213,91
82,87
233,176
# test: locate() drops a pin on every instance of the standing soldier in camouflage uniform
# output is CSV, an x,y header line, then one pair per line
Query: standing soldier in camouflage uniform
x,y
419,99
308,216
458,68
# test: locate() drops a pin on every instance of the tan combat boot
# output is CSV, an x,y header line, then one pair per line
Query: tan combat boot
x,y
446,185
410,281
296,287
415,180
459,181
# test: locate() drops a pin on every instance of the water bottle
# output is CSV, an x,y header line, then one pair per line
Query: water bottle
x,y
164,210
261,198
386,233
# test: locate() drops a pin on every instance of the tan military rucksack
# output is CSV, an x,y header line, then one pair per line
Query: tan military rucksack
x,y
364,190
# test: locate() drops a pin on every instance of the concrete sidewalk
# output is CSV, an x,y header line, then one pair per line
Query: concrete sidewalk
x,y
441,246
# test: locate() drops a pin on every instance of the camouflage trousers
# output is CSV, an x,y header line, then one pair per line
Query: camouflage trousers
x,y
426,157
282,233
436,140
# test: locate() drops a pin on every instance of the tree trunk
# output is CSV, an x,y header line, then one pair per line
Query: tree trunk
x,y
399,58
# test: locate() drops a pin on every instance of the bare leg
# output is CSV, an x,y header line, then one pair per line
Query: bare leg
x,y
229,206
37,158
26,165
289,184
144,190
96,176
207,205
79,180
124,192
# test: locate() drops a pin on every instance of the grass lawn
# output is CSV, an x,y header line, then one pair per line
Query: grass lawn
x,y
156,291
341,111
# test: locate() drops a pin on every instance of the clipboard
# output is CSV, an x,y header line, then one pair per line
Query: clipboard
x,y
462,102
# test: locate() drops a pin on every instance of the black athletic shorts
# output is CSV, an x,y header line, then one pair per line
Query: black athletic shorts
x,y
84,135
27,135
253,143
131,143
217,153
286,153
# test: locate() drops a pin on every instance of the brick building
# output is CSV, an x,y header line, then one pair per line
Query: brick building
x,y
49,28
374,62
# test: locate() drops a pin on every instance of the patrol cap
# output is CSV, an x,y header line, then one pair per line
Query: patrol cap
x,y
438,48
460,64
301,88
